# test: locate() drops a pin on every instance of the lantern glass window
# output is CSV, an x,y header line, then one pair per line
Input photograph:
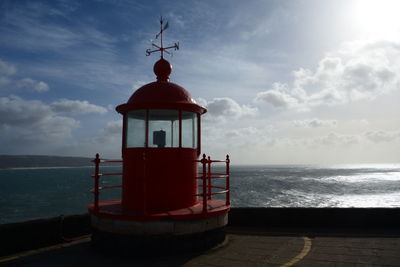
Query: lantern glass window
x,y
163,128
136,128
189,129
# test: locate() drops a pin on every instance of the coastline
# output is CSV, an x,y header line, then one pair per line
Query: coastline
x,y
57,167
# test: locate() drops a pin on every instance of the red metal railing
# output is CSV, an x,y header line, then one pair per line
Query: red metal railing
x,y
96,176
207,176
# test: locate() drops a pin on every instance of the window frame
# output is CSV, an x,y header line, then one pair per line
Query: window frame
x,y
196,132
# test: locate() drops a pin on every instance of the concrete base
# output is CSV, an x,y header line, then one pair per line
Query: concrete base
x,y
143,237
161,227
137,245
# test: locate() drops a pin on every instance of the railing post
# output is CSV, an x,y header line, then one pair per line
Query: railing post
x,y
204,162
96,183
228,192
144,185
209,177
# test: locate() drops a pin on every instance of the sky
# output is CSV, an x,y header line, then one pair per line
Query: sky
x,y
284,82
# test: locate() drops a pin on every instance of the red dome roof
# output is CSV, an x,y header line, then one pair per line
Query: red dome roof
x,y
161,94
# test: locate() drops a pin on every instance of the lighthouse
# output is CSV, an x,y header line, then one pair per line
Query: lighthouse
x,y
170,199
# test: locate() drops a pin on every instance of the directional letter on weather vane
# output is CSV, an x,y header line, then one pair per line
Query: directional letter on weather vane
x,y
161,48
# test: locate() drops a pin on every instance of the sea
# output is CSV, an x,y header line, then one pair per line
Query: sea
x,y
32,193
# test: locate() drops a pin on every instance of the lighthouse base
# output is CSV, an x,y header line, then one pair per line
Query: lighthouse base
x,y
165,236
156,245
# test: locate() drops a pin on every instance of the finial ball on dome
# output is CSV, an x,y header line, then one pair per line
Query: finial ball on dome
x,y
162,69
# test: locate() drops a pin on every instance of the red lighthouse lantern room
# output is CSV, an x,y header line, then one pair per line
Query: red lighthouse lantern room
x,y
170,199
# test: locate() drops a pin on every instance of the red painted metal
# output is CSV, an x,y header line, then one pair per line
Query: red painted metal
x,y
161,95
219,187
147,132
126,197
209,177
160,48
112,209
105,187
198,135
209,206
228,193
124,130
107,174
206,177
166,179
180,128
96,183
204,194
96,189
162,69
162,181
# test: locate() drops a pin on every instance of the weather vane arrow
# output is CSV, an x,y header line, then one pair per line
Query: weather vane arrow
x,y
160,47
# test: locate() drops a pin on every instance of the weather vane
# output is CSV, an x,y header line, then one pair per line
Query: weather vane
x,y
161,48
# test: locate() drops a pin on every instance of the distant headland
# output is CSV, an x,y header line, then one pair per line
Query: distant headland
x,y
36,161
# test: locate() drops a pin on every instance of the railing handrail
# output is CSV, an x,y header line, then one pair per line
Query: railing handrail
x,y
106,187
108,160
107,174
214,160
207,176
97,188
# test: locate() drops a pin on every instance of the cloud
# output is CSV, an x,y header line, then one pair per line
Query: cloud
x,y
32,30
335,139
27,123
176,19
201,101
314,123
4,81
109,137
382,136
17,111
358,70
113,128
77,45
7,68
277,97
237,135
378,136
106,142
32,85
32,126
258,23
76,107
242,132
225,108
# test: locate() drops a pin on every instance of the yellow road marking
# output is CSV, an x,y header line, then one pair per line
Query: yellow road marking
x,y
306,249
256,232
41,250
5,259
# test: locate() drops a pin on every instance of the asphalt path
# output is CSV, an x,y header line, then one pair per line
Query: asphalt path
x,y
242,247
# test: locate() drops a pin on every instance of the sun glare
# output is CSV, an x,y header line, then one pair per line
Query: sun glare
x,y
378,18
